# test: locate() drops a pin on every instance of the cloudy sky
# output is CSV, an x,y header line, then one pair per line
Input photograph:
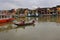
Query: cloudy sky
x,y
9,4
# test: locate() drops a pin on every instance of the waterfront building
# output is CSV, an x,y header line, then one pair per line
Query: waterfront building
x,y
41,11
33,12
26,11
58,9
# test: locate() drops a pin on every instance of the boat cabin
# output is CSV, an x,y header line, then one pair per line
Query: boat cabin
x,y
5,16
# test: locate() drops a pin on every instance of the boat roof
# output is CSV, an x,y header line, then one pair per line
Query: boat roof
x,y
4,14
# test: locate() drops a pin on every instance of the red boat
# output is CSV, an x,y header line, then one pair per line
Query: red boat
x,y
5,18
25,24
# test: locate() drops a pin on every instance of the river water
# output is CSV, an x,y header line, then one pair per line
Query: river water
x,y
45,28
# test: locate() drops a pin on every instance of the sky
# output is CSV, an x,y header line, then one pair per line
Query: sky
x,y
31,4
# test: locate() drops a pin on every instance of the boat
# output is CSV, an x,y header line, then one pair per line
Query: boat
x,y
25,24
5,18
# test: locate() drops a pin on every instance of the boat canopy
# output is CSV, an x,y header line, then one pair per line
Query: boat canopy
x,y
3,16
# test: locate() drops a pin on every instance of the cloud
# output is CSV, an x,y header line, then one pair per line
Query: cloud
x,y
8,4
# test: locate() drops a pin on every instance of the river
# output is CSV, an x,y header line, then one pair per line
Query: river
x,y
45,28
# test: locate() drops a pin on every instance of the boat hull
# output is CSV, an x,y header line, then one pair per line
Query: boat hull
x,y
6,20
25,24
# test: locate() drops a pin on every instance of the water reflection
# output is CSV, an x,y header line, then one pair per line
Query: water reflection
x,y
45,19
10,26
38,19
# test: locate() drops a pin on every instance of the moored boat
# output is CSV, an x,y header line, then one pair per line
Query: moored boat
x,y
5,18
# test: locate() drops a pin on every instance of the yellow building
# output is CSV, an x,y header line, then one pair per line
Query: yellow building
x,y
58,9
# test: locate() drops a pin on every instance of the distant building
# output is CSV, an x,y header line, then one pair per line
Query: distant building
x,y
42,10
58,9
37,11
26,11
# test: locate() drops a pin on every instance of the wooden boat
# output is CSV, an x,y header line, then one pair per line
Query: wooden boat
x,y
25,24
5,18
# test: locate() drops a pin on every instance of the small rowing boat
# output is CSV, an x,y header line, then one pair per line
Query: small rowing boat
x,y
25,24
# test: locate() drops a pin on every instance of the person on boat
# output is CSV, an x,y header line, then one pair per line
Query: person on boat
x,y
22,22
33,21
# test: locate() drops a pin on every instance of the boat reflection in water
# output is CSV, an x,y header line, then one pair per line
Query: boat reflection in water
x,y
10,26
